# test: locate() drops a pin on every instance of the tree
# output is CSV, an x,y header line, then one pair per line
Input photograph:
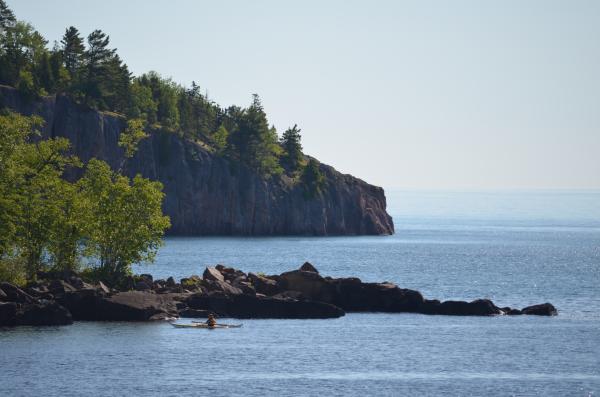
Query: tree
x,y
290,141
254,142
73,50
38,185
130,138
124,221
7,17
96,71
20,48
312,178
220,139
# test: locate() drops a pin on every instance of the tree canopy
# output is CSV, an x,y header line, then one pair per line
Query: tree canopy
x,y
92,73
49,222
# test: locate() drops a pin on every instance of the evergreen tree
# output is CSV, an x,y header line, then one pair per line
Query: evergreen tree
x,y
96,73
7,17
312,178
73,50
290,141
254,142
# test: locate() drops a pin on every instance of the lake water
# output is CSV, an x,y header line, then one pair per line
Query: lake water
x,y
517,248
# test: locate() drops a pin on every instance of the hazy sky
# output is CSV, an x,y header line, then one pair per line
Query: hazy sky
x,y
404,94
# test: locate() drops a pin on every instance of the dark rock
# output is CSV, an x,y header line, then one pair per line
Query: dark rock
x,y
48,313
245,286
171,282
91,305
192,282
205,195
222,286
509,311
136,306
15,294
77,282
103,288
3,296
60,287
142,286
147,278
263,285
194,313
353,295
8,313
311,284
212,274
246,306
308,267
287,295
544,309
479,307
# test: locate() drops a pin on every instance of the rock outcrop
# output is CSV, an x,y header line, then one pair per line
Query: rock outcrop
x,y
205,195
228,292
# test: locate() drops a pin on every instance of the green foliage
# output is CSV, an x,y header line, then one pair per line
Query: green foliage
x,y
72,50
7,18
48,222
253,142
220,139
290,142
124,221
131,136
312,178
12,271
26,85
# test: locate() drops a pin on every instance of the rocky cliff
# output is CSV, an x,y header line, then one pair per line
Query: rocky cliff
x,y
205,194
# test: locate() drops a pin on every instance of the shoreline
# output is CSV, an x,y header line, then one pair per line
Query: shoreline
x,y
61,298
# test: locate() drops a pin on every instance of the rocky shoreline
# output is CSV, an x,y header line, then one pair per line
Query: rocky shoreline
x,y
60,299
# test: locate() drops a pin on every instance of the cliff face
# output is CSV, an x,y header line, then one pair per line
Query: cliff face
x,y
205,195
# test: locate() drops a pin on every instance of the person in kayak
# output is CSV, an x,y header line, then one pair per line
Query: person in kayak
x,y
211,322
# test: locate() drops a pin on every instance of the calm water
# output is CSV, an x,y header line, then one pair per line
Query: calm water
x,y
517,248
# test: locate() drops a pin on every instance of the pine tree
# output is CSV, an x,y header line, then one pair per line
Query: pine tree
x,y
97,59
73,49
7,17
290,141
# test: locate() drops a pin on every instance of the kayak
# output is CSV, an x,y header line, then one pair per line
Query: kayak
x,y
206,326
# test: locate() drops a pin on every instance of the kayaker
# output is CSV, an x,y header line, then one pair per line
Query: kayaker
x,y
211,322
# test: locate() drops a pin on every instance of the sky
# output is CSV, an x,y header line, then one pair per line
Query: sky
x,y
403,94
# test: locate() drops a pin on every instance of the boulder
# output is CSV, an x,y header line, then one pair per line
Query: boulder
x,y
92,305
171,282
246,306
46,313
245,286
8,313
142,286
479,307
353,295
509,311
102,288
15,294
544,309
212,274
311,284
57,287
135,306
263,285
147,278
223,286
308,267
